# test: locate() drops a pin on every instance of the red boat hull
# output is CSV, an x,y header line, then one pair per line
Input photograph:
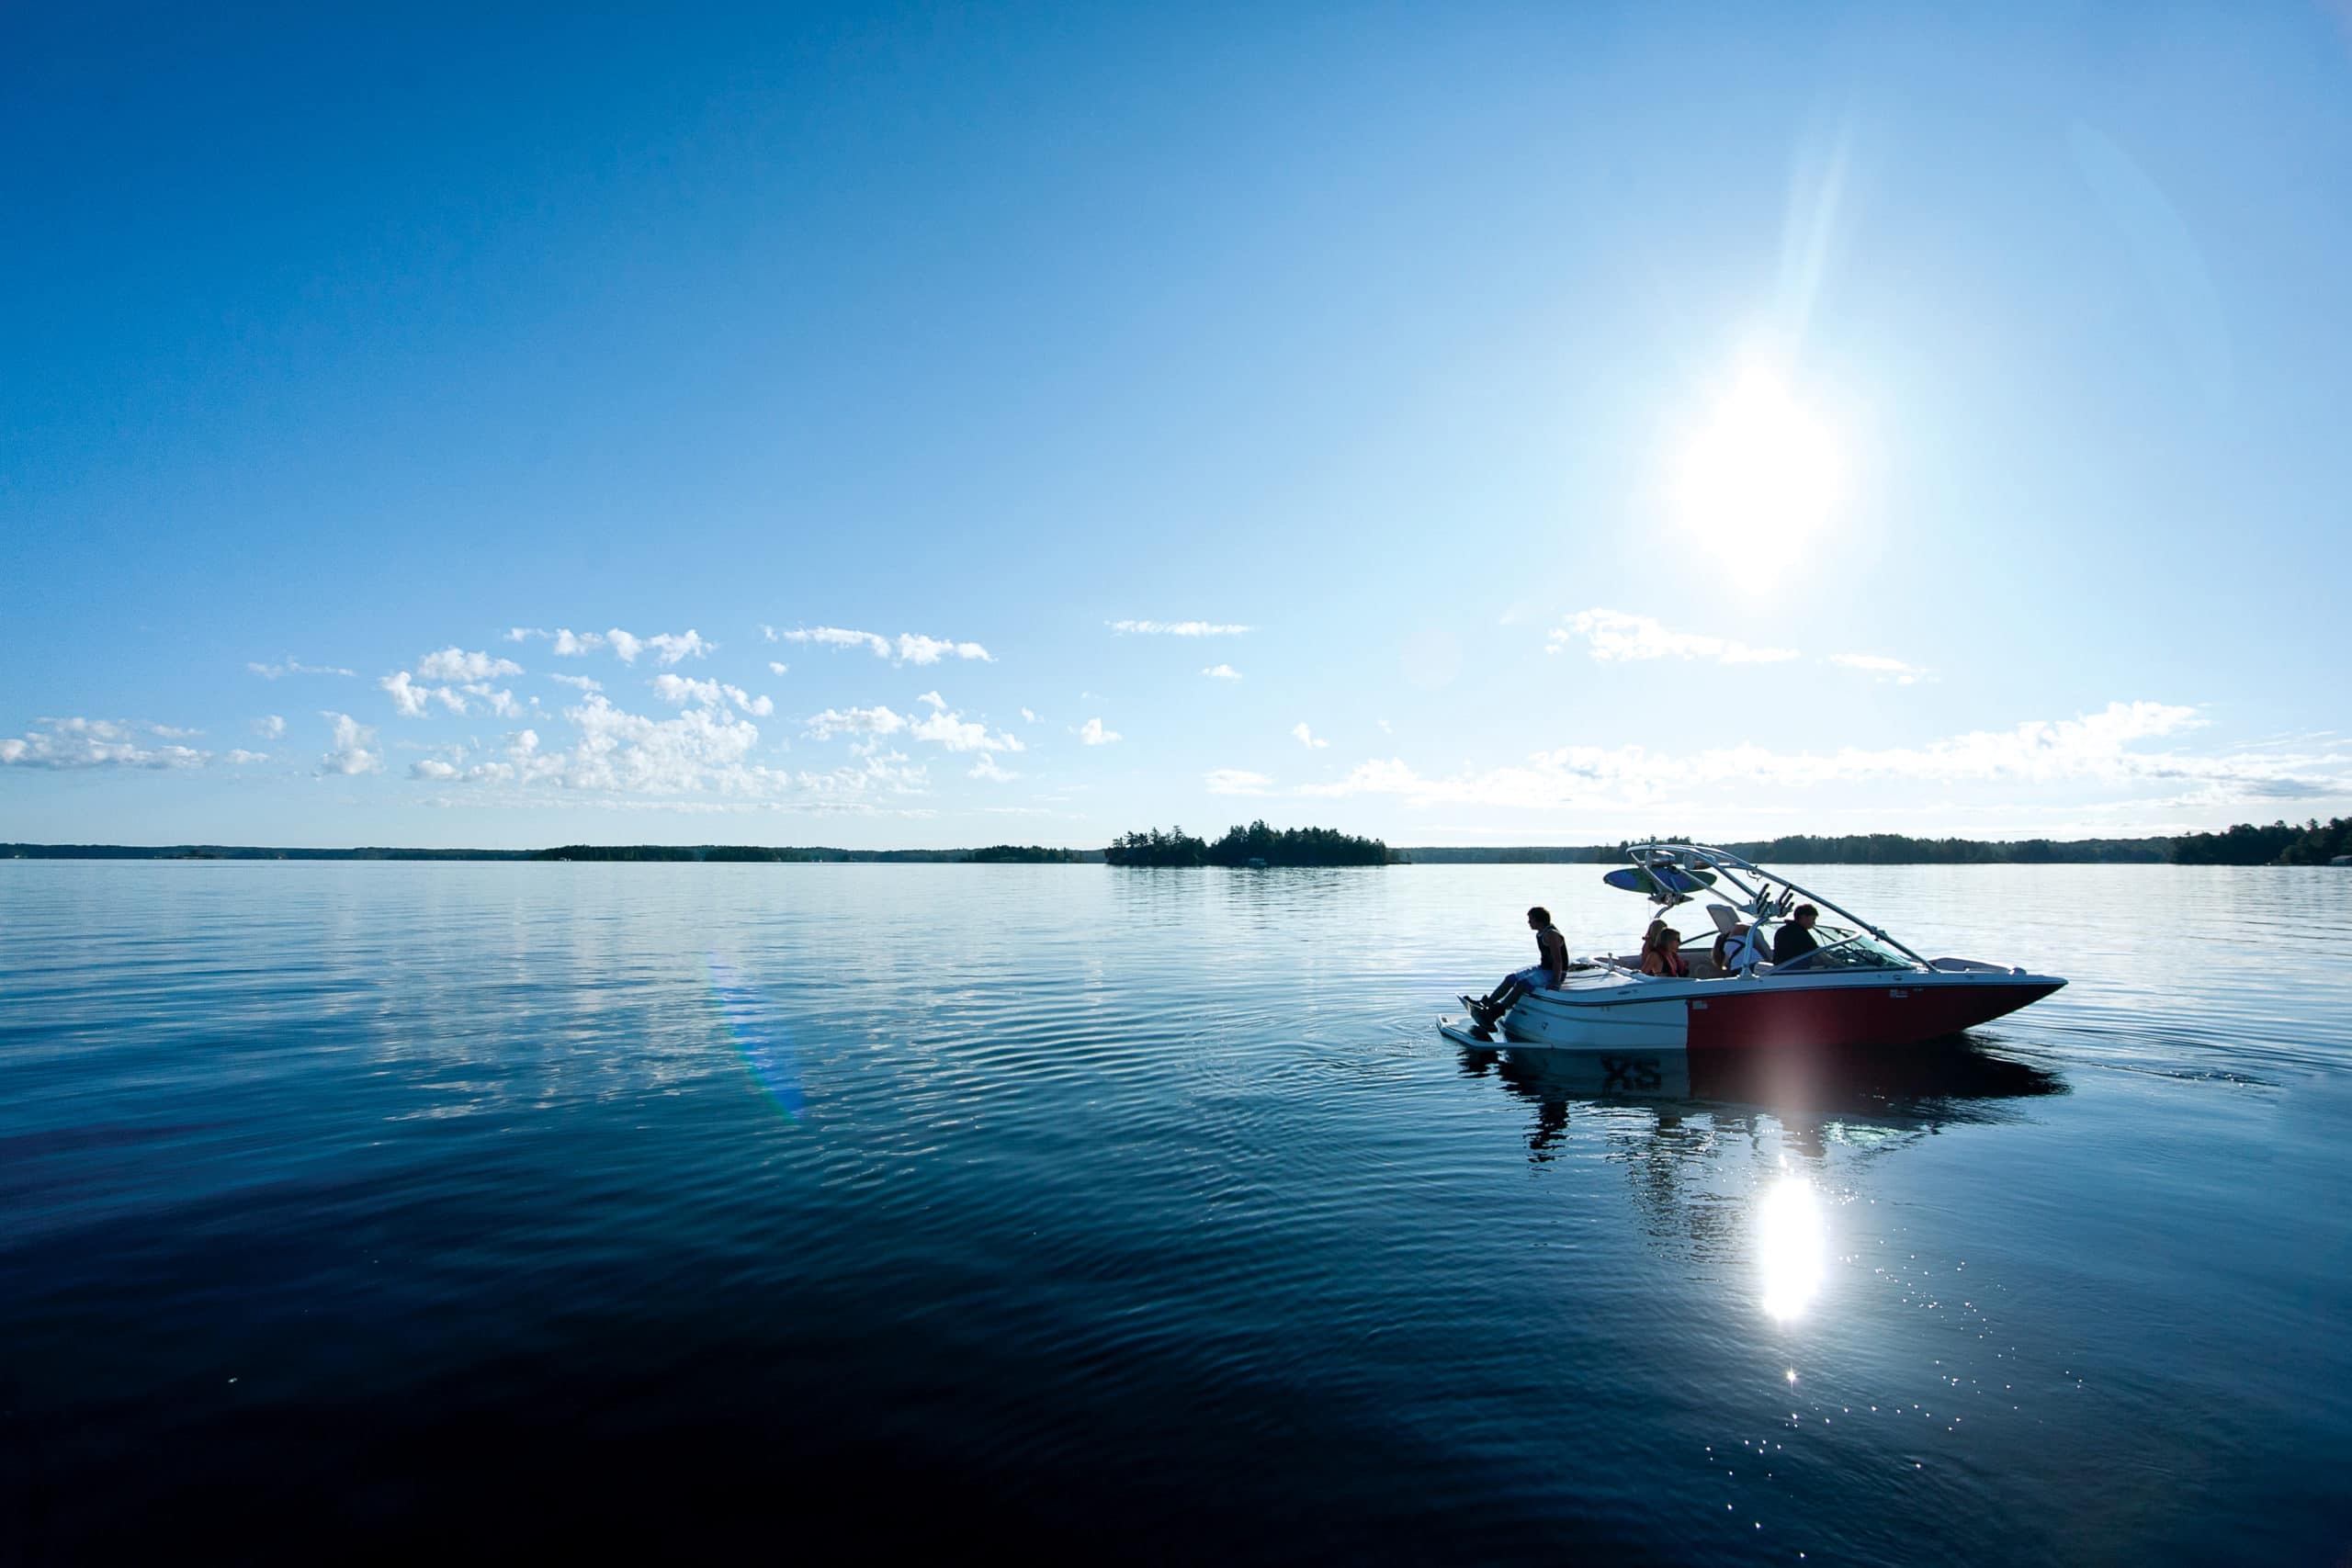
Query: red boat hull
x,y
1853,1015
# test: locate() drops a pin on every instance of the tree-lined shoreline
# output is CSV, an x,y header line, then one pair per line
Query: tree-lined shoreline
x,y
2311,842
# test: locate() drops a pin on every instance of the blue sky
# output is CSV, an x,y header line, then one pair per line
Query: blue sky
x,y
1462,425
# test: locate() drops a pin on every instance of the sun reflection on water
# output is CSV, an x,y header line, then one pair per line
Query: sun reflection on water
x,y
1792,1240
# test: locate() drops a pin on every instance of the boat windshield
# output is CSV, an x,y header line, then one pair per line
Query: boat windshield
x,y
1842,948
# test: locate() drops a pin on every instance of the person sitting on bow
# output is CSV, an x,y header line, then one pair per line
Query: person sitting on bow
x,y
1550,968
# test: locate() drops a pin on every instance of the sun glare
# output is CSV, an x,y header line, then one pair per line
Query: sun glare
x,y
1762,474
1791,1242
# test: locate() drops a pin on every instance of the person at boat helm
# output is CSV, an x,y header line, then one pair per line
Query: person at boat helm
x,y
1795,939
1666,959
1550,968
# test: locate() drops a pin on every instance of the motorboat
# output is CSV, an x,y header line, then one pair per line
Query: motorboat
x,y
1860,986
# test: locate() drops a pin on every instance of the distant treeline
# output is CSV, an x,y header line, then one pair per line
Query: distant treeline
x,y
239,851
1241,846
1895,848
756,852
2282,843
1858,849
994,853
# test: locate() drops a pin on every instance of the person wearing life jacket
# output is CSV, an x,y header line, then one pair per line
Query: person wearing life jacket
x,y
1739,951
1666,959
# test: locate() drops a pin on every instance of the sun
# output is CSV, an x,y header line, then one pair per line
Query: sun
x,y
1763,474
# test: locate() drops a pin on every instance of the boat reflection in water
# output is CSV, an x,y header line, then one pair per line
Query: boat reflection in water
x,y
1727,1152
1920,1087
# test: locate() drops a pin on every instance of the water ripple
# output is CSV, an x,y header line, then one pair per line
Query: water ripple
x,y
1148,1207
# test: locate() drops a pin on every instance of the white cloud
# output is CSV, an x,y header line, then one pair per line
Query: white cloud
x,y
671,648
677,691
1885,668
917,649
582,682
501,703
841,637
1614,635
701,748
700,760
954,733
1027,716
451,765
934,698
1237,781
911,648
1307,738
1222,672
350,754
668,647
1175,628
64,743
888,772
270,726
454,663
875,721
986,768
239,755
522,762
1093,733
296,667
2098,748
568,643
407,697
776,669
947,729
1385,729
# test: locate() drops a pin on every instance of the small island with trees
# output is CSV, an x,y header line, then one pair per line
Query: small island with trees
x,y
1256,845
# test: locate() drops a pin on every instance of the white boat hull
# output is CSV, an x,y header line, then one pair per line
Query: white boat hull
x,y
1611,1011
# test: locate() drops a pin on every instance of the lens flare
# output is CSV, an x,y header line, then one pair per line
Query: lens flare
x,y
767,1055
1790,1243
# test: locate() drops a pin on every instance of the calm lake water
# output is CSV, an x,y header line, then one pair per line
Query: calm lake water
x,y
357,1209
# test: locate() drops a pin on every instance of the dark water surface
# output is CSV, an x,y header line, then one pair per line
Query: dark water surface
x,y
379,1209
